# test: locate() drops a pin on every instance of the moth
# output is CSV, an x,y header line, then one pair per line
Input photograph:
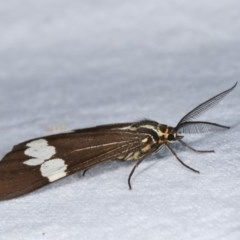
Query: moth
x,y
37,162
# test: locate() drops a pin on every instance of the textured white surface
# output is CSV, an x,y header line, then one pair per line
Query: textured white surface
x,y
72,64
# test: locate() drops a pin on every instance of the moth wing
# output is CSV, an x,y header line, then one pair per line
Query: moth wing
x,y
35,163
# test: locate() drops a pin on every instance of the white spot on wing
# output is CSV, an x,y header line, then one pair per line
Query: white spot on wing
x,y
34,162
41,154
39,150
37,143
54,169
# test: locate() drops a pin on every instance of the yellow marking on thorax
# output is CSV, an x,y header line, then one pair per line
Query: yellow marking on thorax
x,y
149,127
145,140
165,134
121,157
132,156
136,155
146,148
131,128
129,156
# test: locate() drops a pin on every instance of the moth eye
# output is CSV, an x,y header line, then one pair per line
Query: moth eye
x,y
170,137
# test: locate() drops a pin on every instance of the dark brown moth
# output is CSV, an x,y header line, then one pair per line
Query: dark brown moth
x,y
40,161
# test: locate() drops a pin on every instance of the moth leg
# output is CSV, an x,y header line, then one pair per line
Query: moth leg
x,y
193,149
131,173
84,171
184,164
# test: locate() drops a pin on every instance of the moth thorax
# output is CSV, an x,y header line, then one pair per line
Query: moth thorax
x,y
166,133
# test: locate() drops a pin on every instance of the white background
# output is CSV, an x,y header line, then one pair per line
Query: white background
x,y
74,64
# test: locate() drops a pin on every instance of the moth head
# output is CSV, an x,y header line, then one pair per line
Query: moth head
x,y
168,133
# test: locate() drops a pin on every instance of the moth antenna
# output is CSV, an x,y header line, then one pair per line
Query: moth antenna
x,y
203,107
199,127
